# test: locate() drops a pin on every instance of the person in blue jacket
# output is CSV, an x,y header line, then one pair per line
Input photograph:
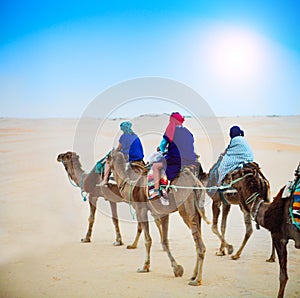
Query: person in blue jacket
x,y
130,145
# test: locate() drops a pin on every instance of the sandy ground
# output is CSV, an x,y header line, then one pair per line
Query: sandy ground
x,y
43,218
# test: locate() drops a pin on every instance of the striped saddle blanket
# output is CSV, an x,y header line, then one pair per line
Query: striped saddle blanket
x,y
295,206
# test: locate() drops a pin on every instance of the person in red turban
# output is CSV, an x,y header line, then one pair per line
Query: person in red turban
x,y
177,147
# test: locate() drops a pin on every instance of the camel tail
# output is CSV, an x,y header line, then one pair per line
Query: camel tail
x,y
199,203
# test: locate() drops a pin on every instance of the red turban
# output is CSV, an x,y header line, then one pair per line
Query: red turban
x,y
175,119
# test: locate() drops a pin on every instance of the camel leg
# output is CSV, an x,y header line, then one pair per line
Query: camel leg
x,y
158,225
272,256
225,211
142,218
115,220
139,231
177,269
280,246
93,205
216,212
137,237
248,233
196,280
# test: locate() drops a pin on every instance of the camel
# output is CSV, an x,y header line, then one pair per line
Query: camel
x,y
244,192
89,183
275,217
187,201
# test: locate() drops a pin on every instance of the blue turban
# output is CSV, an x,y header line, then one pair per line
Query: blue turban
x,y
126,127
235,131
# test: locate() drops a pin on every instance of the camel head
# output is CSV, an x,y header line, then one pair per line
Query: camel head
x,y
297,171
203,177
69,159
116,158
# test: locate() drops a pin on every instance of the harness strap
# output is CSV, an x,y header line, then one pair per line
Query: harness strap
x,y
252,198
223,198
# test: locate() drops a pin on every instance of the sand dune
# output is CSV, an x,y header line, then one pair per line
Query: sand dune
x,y
43,217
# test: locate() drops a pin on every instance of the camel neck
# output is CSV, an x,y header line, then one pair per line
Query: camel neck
x,y
121,179
261,213
75,173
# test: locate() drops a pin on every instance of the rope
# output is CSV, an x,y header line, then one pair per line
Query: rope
x,y
223,198
99,168
83,193
72,182
256,211
221,187
252,198
133,214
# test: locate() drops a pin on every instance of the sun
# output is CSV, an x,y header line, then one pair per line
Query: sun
x,y
235,54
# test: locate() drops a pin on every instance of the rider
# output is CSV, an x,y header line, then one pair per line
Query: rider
x,y
177,146
236,154
130,145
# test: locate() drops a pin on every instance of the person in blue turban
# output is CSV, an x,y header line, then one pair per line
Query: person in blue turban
x,y
130,145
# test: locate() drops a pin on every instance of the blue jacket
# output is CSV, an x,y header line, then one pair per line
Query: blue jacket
x,y
180,151
131,147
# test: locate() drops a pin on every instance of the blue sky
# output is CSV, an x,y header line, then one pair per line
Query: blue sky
x,y
242,57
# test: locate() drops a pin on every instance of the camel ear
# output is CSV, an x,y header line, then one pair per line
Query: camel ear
x,y
75,155
68,155
111,153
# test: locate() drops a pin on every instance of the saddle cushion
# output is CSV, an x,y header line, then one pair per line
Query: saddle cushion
x,y
163,180
296,204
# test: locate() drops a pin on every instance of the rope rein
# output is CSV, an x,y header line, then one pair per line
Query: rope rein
x,y
221,187
133,213
99,168
72,182
83,193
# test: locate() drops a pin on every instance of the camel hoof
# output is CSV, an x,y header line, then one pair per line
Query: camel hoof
x,y
207,221
235,257
118,243
271,260
131,247
195,283
178,271
230,249
220,253
85,240
143,270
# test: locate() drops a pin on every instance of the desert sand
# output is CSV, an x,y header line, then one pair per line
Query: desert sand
x,y
43,218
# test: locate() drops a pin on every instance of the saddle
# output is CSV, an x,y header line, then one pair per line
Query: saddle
x,y
139,166
295,204
246,169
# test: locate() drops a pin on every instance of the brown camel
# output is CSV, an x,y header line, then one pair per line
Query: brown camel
x,y
188,201
244,192
276,218
89,183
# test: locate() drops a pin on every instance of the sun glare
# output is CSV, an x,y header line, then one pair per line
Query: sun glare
x,y
235,55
